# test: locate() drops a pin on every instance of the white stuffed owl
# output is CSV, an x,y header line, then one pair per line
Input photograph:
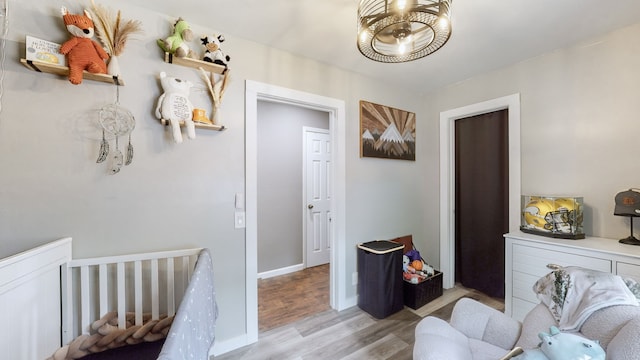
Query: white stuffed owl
x,y
174,106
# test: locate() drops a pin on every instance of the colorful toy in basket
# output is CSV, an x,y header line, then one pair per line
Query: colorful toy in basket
x,y
81,51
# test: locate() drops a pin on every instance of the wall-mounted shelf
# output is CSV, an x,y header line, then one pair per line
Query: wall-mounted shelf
x,y
198,125
64,71
206,66
193,63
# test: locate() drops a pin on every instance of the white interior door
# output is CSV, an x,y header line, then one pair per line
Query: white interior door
x,y
318,195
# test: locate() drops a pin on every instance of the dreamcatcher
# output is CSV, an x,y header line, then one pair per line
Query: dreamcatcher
x,y
116,121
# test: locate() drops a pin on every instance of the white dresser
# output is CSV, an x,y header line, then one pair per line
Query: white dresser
x,y
527,256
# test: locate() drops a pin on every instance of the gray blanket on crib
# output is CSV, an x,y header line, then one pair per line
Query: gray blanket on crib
x,y
193,330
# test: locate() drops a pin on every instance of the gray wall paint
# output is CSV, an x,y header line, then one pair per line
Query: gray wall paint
x,y
579,126
280,202
578,104
172,196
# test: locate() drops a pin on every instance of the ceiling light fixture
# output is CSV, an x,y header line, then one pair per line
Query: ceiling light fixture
x,y
393,31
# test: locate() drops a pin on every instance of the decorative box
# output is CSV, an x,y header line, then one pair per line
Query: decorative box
x,y
417,295
552,216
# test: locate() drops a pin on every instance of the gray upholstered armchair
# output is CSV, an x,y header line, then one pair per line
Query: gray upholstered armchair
x,y
478,332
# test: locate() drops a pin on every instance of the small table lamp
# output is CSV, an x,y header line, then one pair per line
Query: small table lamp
x,y
628,204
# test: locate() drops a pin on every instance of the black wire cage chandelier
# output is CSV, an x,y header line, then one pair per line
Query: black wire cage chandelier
x,y
394,31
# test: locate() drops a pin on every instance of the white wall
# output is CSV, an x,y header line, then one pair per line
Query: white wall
x,y
280,156
579,126
172,196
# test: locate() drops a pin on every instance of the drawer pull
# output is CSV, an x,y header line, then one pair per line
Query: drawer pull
x,y
554,266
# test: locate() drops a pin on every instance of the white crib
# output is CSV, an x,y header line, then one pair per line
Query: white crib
x,y
50,300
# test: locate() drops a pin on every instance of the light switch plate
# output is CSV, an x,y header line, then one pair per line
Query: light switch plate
x,y
239,220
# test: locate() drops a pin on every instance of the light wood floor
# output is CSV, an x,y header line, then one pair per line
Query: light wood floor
x,y
349,334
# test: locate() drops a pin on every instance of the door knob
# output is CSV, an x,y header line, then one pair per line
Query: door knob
x,y
310,206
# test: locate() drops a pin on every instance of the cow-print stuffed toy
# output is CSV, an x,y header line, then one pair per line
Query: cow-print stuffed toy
x,y
213,53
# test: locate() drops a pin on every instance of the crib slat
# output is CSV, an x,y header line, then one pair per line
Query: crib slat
x,y
85,296
67,304
104,289
122,297
171,301
155,294
138,291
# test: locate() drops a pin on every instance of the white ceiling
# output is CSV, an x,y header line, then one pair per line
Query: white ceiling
x,y
487,34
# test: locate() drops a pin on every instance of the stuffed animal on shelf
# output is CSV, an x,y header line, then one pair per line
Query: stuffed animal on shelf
x,y
557,345
213,53
176,43
175,107
81,51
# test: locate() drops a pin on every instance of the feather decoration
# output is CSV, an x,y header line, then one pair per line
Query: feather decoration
x,y
113,31
103,25
125,30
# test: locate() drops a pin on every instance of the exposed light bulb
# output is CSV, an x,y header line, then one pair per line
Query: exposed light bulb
x,y
402,48
401,4
443,22
363,35
403,44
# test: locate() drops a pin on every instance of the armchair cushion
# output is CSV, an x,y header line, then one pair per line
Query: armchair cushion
x,y
439,341
481,322
475,332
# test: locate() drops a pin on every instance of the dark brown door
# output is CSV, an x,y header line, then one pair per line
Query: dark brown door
x,y
482,193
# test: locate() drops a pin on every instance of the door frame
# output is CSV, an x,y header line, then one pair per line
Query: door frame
x,y
255,91
305,194
448,176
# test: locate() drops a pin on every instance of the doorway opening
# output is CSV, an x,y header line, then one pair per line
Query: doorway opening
x,y
294,203
448,175
254,92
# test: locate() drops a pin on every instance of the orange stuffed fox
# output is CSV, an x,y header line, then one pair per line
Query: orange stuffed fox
x,y
82,52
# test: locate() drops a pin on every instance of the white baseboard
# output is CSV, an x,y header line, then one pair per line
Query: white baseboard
x,y
281,271
348,303
223,347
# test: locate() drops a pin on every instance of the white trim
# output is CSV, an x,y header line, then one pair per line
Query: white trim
x,y
447,174
223,347
281,271
255,91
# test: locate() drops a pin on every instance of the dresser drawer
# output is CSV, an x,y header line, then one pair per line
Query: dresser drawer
x,y
523,286
628,270
533,261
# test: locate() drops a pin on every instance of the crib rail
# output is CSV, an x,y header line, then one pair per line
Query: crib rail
x,y
149,283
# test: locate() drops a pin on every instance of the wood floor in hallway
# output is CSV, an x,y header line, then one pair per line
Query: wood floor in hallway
x,y
292,297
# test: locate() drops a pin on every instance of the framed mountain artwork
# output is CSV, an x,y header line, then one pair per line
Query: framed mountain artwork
x,y
386,132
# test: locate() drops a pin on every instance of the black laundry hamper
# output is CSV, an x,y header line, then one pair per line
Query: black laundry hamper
x,y
380,278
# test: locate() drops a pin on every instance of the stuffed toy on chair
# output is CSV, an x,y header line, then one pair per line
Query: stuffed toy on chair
x,y
563,346
82,52
176,43
174,106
